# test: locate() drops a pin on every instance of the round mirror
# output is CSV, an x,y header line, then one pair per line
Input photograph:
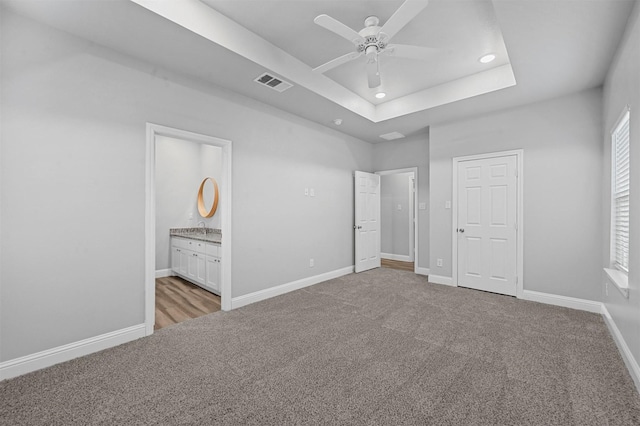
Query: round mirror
x,y
208,197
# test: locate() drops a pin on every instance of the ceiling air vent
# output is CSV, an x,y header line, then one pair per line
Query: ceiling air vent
x,y
273,82
391,136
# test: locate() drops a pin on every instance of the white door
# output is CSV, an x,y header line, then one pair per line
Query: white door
x,y
486,225
367,221
412,218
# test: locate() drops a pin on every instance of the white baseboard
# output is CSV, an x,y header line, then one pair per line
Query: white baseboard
x,y
161,273
625,352
564,301
422,271
439,279
400,257
49,357
257,296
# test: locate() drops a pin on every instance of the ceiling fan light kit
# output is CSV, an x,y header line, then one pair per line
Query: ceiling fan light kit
x,y
373,40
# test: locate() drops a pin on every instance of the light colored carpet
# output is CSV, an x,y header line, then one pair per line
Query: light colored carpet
x,y
382,347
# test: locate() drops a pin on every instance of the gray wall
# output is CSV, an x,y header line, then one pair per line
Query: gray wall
x,y
180,168
403,153
562,187
622,87
73,185
394,223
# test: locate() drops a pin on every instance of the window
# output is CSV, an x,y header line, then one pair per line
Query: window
x,y
620,194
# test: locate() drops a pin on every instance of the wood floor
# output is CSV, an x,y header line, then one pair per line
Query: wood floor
x,y
178,300
396,264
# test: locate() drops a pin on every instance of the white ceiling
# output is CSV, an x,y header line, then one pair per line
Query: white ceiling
x,y
552,47
461,31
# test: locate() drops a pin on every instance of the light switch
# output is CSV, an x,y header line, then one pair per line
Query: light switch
x,y
447,204
306,192
312,192
422,206
399,206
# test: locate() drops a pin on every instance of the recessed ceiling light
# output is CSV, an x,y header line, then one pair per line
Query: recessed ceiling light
x,y
487,58
380,95
337,121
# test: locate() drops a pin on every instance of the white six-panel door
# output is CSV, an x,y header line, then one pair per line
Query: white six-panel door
x,y
486,224
367,221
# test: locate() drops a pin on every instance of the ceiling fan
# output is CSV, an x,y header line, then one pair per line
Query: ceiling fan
x,y
373,40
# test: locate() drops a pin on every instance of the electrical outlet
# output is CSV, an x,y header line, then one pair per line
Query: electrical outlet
x,y
311,263
399,206
312,192
191,216
306,192
439,262
447,204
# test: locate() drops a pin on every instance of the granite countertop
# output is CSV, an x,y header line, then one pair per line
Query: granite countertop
x,y
209,235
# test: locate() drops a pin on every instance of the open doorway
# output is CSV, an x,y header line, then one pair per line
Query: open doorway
x,y
195,257
183,262
398,223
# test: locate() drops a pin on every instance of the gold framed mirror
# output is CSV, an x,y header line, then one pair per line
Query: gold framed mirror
x,y
208,196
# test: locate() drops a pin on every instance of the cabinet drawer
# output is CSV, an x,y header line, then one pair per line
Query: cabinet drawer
x,y
213,250
194,245
179,242
199,246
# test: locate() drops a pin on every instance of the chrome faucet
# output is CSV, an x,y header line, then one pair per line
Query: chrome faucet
x,y
204,226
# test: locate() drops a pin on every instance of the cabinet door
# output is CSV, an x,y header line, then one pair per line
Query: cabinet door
x,y
184,261
213,273
175,259
201,268
192,265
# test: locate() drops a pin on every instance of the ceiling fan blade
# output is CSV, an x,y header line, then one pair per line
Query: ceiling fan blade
x,y
336,62
339,28
411,52
373,74
405,13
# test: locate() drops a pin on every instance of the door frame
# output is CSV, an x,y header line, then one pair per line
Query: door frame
x,y
414,234
519,153
152,131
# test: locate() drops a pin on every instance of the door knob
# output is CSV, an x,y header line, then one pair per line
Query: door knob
x,y
357,227
461,230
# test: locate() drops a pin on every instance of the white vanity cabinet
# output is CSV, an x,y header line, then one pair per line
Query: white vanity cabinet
x,y
196,261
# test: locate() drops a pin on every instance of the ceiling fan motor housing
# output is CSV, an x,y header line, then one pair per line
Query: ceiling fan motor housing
x,y
373,38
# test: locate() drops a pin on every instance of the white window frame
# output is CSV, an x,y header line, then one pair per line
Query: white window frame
x,y
617,263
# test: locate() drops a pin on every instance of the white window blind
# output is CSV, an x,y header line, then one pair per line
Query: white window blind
x,y
620,194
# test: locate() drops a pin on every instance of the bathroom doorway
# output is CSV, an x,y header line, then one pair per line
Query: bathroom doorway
x,y
398,223
166,146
